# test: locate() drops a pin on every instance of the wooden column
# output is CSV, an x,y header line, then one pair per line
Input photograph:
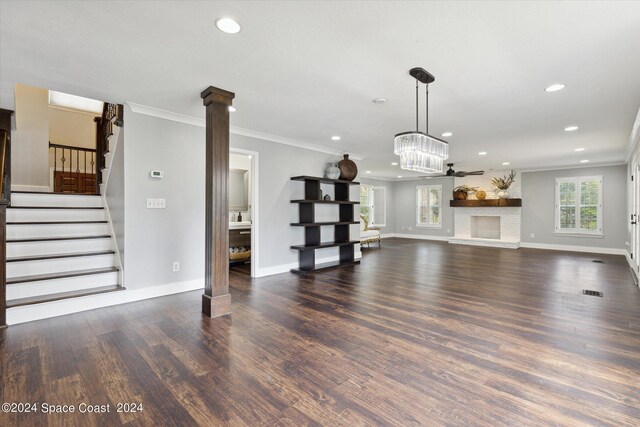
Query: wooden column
x,y
216,300
5,200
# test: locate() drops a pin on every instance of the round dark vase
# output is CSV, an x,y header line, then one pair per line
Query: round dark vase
x,y
348,169
459,195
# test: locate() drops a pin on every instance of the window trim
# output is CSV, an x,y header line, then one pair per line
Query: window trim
x,y
428,188
598,232
372,203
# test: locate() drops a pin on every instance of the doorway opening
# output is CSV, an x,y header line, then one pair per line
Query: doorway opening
x,y
243,210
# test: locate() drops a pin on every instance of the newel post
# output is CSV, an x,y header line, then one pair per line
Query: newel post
x,y
216,300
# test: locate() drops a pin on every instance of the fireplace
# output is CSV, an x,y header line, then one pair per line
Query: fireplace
x,y
485,227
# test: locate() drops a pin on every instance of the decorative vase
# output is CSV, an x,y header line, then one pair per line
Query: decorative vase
x,y
348,169
459,195
332,171
503,194
481,195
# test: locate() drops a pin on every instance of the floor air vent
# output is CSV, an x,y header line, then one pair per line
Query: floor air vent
x,y
592,293
599,261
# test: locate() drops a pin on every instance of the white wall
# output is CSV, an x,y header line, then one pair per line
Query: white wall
x,y
74,128
405,209
30,139
155,238
538,207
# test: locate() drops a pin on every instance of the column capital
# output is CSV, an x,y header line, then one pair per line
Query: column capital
x,y
216,95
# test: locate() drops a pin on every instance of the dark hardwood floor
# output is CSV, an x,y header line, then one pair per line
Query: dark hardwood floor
x,y
422,333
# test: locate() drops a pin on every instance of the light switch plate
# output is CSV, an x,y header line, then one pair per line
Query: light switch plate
x,y
156,203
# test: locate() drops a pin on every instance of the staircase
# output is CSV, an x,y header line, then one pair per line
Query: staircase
x,y
59,246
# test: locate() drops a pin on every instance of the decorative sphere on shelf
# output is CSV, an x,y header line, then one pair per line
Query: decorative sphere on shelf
x,y
481,195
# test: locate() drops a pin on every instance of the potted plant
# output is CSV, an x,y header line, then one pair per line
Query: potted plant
x,y
503,184
460,192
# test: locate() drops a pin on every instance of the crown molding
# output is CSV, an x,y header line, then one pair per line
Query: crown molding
x,y
634,138
581,166
196,121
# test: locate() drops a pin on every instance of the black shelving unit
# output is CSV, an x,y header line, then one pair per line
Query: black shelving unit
x,y
342,236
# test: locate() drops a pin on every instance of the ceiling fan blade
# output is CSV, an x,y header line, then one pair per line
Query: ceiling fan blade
x,y
462,174
432,176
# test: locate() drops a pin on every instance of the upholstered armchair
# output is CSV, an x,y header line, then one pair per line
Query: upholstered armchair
x,y
368,235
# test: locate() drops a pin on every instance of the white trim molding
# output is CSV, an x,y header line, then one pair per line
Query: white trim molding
x,y
574,248
634,138
197,121
46,310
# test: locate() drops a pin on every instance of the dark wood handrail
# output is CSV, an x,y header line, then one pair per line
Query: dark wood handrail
x,y
5,200
70,147
3,158
112,114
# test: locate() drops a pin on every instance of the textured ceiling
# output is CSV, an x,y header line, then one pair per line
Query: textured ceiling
x,y
309,70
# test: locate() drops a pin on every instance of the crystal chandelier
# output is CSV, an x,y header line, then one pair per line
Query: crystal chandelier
x,y
420,151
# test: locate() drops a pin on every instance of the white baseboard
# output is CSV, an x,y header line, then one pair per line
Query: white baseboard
x,y
30,313
573,248
416,236
285,268
38,188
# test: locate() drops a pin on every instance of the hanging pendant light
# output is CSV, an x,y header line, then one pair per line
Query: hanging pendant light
x,y
420,151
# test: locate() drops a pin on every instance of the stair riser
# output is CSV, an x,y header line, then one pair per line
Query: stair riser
x,y
57,247
52,200
58,265
55,230
34,215
46,287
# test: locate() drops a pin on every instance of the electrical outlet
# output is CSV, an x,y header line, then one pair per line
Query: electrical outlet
x,y
448,231
156,203
409,228
176,266
533,235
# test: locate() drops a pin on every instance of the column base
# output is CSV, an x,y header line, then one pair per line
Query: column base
x,y
216,306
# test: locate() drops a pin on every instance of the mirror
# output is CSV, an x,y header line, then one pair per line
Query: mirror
x,y
238,190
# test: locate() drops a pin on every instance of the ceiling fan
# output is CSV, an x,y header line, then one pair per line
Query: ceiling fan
x,y
451,172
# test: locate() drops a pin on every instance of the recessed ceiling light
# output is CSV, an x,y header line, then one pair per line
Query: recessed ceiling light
x,y
228,25
335,138
399,176
232,108
505,163
368,172
570,128
584,161
554,87
482,153
394,163
579,149
446,134
379,100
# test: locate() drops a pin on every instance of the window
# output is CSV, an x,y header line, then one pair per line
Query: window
x,y
429,206
579,205
373,205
